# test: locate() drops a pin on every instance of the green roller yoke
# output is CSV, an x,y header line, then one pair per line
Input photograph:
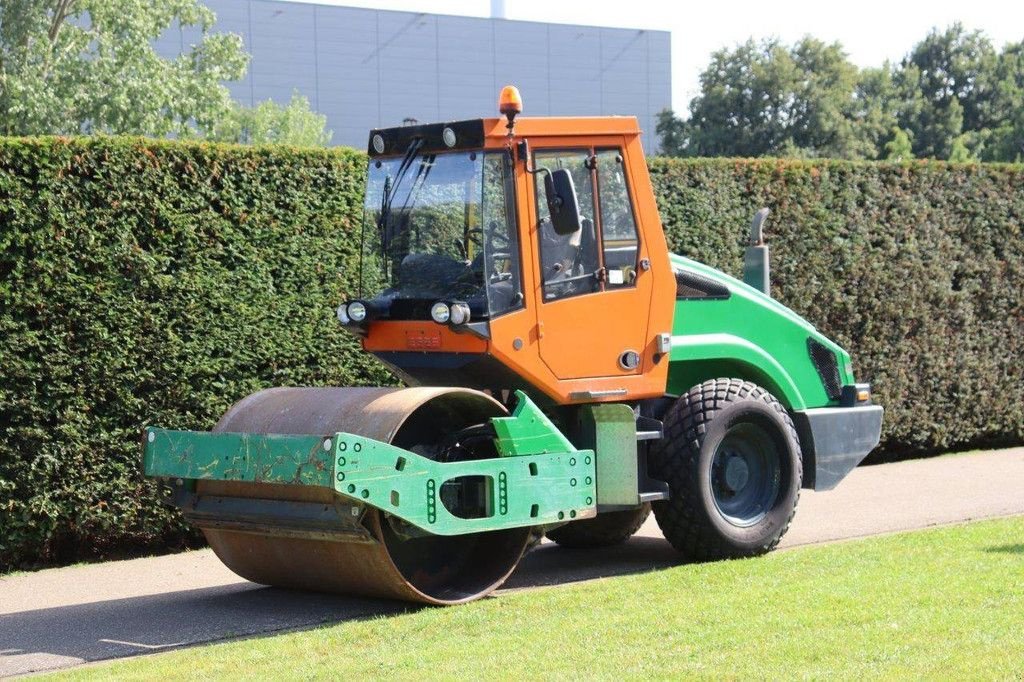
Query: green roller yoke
x,y
540,478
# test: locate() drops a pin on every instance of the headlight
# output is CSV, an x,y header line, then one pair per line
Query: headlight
x,y
440,312
357,311
343,314
459,313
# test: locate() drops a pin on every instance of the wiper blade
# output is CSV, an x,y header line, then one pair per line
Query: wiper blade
x,y
388,195
426,165
390,189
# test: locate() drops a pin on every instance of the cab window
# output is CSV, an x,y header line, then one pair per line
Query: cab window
x,y
618,226
569,263
500,241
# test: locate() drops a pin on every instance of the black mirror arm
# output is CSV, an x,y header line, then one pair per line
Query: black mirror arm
x,y
535,169
524,154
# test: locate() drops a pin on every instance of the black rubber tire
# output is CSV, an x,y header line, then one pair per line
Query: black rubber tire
x,y
695,426
604,530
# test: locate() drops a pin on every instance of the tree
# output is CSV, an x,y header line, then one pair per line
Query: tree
x,y
766,99
954,96
874,112
959,151
71,66
268,122
740,109
1007,133
671,132
898,148
947,83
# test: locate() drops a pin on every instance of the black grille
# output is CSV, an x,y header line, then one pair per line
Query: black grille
x,y
690,285
410,309
825,363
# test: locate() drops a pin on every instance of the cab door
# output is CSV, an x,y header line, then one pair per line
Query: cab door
x,y
594,292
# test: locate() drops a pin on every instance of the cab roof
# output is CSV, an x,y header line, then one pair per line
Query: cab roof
x,y
473,133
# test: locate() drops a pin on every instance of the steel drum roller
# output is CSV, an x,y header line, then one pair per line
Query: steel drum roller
x,y
430,569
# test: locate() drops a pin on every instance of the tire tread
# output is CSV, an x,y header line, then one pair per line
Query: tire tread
x,y
675,460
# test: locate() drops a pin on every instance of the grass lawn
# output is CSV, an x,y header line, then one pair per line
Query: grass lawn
x,y
945,603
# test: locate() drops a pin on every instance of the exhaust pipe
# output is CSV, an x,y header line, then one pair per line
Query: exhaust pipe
x,y
756,265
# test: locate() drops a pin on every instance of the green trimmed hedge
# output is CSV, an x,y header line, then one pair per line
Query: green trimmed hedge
x,y
157,282
151,282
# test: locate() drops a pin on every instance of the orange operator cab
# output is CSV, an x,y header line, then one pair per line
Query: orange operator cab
x,y
470,278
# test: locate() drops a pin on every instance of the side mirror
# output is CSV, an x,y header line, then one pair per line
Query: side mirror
x,y
563,206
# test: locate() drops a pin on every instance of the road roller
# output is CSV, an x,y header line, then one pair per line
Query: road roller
x,y
563,374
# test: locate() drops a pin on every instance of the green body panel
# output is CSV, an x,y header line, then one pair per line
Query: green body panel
x,y
543,478
609,430
248,457
748,336
528,431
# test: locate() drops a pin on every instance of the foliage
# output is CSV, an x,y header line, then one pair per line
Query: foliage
x,y
1007,135
898,148
874,112
947,82
71,66
268,122
765,99
147,282
954,96
937,604
671,131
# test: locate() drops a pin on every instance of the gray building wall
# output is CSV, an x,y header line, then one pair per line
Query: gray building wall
x,y
366,68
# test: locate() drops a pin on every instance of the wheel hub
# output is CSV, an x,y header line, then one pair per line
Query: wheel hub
x,y
745,474
737,473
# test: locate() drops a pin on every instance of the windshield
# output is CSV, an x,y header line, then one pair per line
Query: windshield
x,y
441,227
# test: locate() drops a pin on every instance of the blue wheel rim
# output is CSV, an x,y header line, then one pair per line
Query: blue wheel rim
x,y
746,474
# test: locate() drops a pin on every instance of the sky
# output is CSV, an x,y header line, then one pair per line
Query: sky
x,y
871,31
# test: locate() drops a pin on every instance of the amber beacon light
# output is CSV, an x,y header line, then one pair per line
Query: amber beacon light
x,y
510,103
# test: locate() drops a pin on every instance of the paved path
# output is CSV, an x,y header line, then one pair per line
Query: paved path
x,y
63,617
